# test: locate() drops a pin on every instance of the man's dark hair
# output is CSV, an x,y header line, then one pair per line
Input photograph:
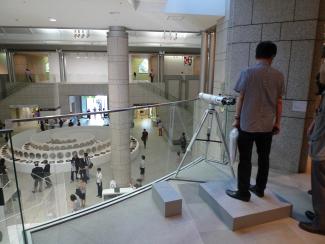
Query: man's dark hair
x,y
73,197
266,49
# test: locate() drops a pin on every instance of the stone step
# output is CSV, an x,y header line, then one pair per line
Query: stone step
x,y
238,214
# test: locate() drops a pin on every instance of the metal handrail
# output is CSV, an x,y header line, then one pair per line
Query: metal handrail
x,y
101,112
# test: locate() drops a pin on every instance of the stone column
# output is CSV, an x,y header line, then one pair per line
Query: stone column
x,y
63,77
204,57
10,66
212,51
118,92
161,62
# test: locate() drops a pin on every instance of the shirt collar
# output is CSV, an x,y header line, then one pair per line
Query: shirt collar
x,y
263,62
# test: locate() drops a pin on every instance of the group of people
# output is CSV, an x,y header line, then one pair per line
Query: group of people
x,y
257,117
80,167
40,174
78,199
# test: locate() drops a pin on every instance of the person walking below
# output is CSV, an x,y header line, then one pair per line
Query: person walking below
x,y
317,153
99,182
61,123
3,173
142,167
74,166
28,74
37,175
257,117
47,173
81,192
88,165
183,142
82,170
144,137
160,128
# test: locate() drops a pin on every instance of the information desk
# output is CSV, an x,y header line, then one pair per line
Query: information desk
x,y
114,192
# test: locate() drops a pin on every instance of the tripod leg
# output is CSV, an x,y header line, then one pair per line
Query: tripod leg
x,y
208,134
189,147
223,139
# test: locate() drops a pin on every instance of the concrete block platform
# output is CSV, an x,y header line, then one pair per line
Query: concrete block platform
x,y
168,200
238,214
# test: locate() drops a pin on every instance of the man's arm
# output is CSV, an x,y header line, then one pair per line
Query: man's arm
x,y
239,105
276,129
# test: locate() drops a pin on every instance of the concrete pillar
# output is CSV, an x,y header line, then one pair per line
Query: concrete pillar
x,y
118,91
161,65
212,51
10,66
63,77
204,59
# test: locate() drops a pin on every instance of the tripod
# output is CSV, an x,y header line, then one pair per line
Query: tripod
x,y
211,112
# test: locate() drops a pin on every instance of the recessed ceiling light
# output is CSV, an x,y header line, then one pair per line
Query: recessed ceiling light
x,y
114,12
52,19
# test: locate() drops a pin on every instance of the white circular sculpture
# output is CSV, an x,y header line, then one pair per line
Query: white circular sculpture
x,y
59,145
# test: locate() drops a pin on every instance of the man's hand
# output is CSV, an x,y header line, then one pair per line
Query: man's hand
x,y
276,129
236,123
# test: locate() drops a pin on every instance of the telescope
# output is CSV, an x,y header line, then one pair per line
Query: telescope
x,y
217,100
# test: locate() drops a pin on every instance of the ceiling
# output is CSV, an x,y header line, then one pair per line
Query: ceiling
x,y
157,15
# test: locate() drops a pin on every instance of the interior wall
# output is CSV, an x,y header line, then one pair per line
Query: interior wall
x,y
54,67
36,62
3,63
153,66
292,26
174,65
86,67
136,60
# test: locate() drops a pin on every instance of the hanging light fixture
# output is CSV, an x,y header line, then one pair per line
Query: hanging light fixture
x,y
81,34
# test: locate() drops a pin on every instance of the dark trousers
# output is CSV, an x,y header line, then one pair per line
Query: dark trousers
x,y
263,143
47,180
318,193
145,143
72,175
99,189
83,174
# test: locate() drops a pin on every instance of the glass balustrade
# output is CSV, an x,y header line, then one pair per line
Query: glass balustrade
x,y
52,142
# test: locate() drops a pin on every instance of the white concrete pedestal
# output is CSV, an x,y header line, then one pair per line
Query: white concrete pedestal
x,y
238,214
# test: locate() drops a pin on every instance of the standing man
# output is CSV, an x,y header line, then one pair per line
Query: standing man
x,y
88,164
75,161
151,75
258,114
317,153
99,182
47,173
142,167
37,174
144,137
183,142
160,127
28,74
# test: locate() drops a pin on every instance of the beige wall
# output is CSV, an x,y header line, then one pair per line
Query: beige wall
x,y
3,64
196,65
36,63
